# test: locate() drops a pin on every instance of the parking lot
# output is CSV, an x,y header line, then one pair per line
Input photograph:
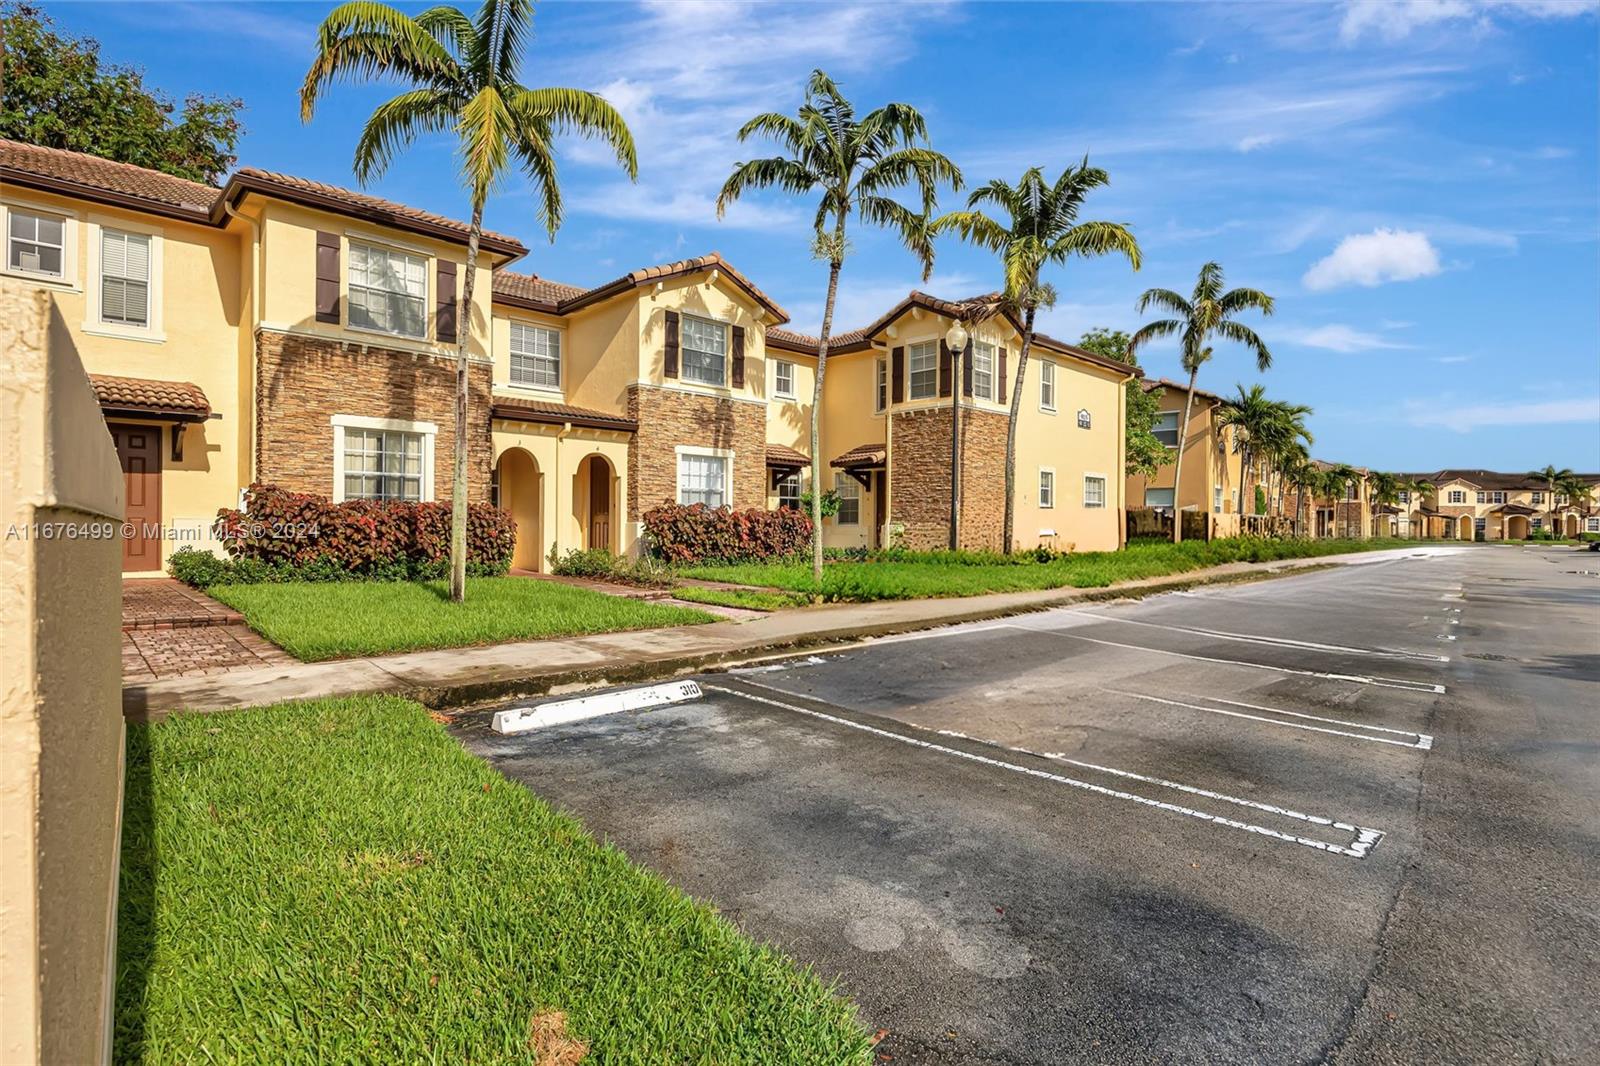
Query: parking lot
x,y
1349,815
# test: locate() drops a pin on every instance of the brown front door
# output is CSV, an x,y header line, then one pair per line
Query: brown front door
x,y
599,504
139,450
880,507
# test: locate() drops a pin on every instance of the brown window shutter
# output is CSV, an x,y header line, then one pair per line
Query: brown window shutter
x,y
897,370
966,370
738,357
1000,380
445,313
327,277
669,357
944,369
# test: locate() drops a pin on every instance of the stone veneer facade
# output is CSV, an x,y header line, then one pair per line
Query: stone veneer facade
x,y
919,467
302,382
669,417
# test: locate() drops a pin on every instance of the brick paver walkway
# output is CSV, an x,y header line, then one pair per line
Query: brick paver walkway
x,y
172,630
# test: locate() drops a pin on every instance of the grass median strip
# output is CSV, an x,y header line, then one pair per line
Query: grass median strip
x,y
338,881
750,599
938,574
338,619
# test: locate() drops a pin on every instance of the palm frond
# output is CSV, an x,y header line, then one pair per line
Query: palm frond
x,y
1166,300
1094,239
362,39
1240,333
913,229
583,113
1236,300
1150,331
398,122
773,172
487,128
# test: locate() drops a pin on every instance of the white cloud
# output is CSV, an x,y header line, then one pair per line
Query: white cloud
x,y
1463,419
1450,360
1339,338
1373,258
1395,20
860,301
1254,141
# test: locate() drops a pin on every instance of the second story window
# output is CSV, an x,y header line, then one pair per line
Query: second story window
x,y
1165,428
35,243
783,379
1403,496
923,366
880,385
388,291
705,350
983,370
1457,496
1497,497
535,356
125,278
1538,497
1047,385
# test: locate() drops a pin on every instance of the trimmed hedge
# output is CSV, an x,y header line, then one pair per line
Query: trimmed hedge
x,y
294,536
698,533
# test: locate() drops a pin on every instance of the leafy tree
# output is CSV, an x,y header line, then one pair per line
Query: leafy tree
x,y
1145,452
1553,479
855,164
1209,310
1336,482
463,75
1419,489
59,94
1384,488
1041,229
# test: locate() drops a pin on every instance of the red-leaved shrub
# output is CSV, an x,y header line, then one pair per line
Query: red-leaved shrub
x,y
698,533
282,528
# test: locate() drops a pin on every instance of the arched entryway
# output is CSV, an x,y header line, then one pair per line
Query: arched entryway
x,y
1464,527
1571,525
1419,525
594,502
517,490
1516,527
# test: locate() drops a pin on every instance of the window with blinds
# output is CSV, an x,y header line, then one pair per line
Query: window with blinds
x,y
381,464
702,479
535,356
125,278
388,291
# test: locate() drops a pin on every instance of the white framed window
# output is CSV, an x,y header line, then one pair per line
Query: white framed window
x,y
1216,499
703,345
1047,487
1591,525
1165,428
880,386
535,356
1497,497
922,370
388,290
1159,497
848,489
36,244
125,278
1403,496
704,476
983,356
789,490
1047,385
1458,496
382,459
1537,523
1483,497
783,379
1094,490
1538,497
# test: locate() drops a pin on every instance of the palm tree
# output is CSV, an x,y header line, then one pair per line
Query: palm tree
x,y
1578,492
1553,480
1303,476
462,72
1385,488
854,163
1337,483
1266,431
1209,310
1041,228
1418,489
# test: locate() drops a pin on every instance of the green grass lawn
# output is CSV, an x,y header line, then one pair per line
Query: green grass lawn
x,y
941,574
337,619
750,599
339,881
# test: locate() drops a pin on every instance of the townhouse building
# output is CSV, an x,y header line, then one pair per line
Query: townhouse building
x,y
287,331
1213,475
1465,504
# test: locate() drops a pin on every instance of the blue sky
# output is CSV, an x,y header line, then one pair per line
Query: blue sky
x,y
1415,182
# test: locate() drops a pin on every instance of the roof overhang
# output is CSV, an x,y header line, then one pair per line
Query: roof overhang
x,y
863,457
561,415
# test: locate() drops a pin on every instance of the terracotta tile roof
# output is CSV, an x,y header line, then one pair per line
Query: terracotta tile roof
x,y
520,410
542,294
1496,480
21,162
863,455
783,455
805,343
174,398
1151,384
362,205
1517,508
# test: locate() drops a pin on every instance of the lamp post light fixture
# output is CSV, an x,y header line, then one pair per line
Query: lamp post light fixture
x,y
955,341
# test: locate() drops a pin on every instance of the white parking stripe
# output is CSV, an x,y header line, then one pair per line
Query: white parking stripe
x,y
1365,839
1424,740
1252,638
1355,679
1273,721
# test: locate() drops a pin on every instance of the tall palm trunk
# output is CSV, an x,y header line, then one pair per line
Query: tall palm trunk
x,y
458,486
816,416
1007,526
955,451
1177,467
1552,506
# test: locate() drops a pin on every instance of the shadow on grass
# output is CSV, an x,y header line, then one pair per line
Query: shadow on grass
x,y
136,900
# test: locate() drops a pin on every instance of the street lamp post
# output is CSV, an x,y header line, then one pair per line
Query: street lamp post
x,y
955,340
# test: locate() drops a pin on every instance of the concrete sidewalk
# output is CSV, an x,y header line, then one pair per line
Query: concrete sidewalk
x,y
452,677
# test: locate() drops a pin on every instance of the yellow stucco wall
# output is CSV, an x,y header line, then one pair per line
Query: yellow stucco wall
x,y
1056,442
1207,464
552,509
61,727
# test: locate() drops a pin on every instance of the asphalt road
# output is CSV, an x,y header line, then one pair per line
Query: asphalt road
x,y
1348,816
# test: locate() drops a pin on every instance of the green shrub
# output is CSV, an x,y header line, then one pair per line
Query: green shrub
x,y
582,562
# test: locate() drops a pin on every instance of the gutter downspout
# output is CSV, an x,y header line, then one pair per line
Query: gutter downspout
x,y
258,257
